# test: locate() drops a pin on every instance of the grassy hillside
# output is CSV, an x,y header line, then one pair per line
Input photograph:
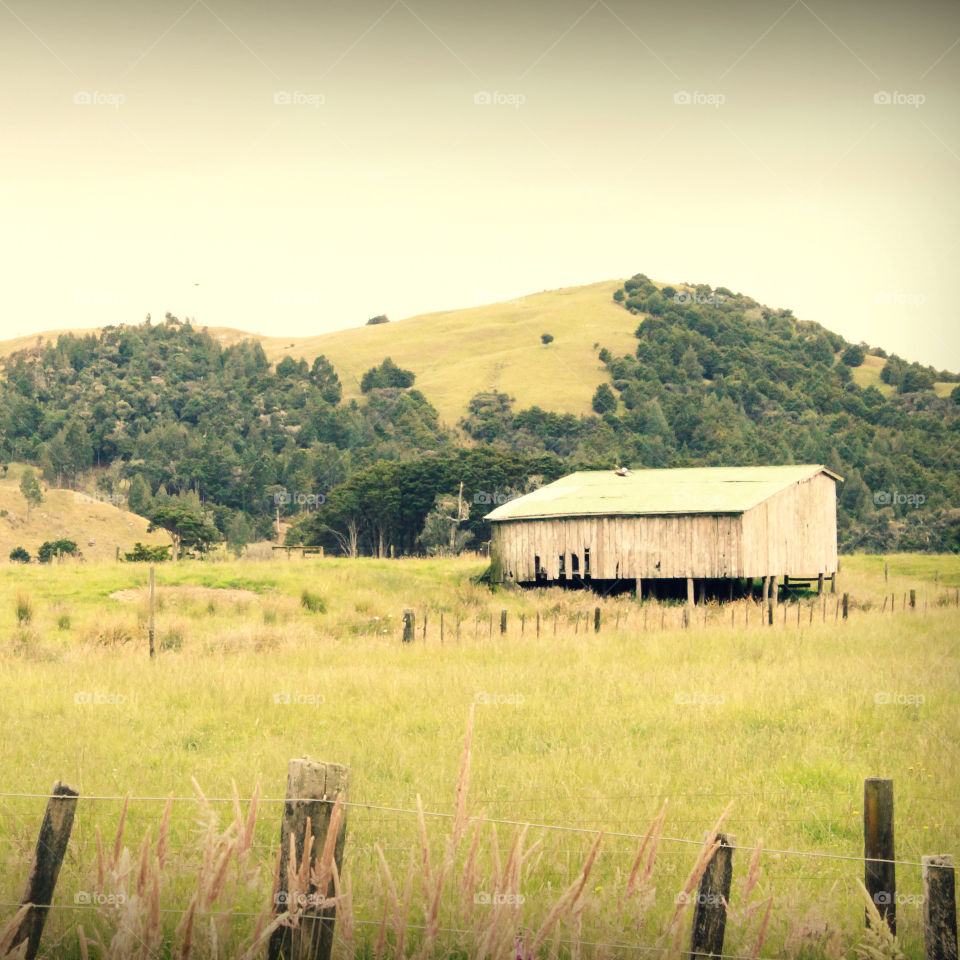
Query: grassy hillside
x,y
67,514
457,353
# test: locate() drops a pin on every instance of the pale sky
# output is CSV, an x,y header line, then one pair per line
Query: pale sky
x,y
384,187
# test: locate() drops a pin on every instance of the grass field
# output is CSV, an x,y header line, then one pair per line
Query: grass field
x,y
583,730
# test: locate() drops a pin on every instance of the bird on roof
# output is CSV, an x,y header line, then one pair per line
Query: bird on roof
x,y
622,472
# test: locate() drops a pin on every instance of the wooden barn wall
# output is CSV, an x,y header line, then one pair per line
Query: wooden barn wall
x,y
794,532
705,545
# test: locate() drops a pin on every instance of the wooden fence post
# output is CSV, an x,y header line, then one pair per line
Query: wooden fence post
x,y
312,789
879,869
913,599
885,599
152,611
576,628
846,605
425,612
523,623
710,908
538,623
45,866
409,624
503,621
819,584
441,627
939,908
833,580
490,626
886,572
596,619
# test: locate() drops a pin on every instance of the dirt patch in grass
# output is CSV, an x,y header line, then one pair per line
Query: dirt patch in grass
x,y
185,593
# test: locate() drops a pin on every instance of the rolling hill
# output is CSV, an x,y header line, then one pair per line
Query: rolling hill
x,y
458,353
98,527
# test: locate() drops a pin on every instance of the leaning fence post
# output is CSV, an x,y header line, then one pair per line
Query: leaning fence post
x,y
879,869
710,908
425,612
409,619
152,611
45,866
846,605
596,619
939,908
503,621
312,789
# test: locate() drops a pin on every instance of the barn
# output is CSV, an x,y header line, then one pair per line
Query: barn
x,y
716,530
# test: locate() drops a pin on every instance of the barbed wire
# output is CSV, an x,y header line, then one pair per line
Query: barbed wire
x,y
506,822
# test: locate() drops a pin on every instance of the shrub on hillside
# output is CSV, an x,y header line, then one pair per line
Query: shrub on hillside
x,y
546,338
56,548
853,356
144,554
388,374
19,555
379,318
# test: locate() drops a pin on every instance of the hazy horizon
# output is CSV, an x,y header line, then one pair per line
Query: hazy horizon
x,y
296,169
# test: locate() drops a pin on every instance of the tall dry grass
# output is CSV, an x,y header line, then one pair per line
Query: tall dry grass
x,y
466,894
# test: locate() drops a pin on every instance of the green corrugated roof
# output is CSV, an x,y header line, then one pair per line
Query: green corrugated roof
x,y
685,490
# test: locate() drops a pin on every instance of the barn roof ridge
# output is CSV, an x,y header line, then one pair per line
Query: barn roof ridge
x,y
657,491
